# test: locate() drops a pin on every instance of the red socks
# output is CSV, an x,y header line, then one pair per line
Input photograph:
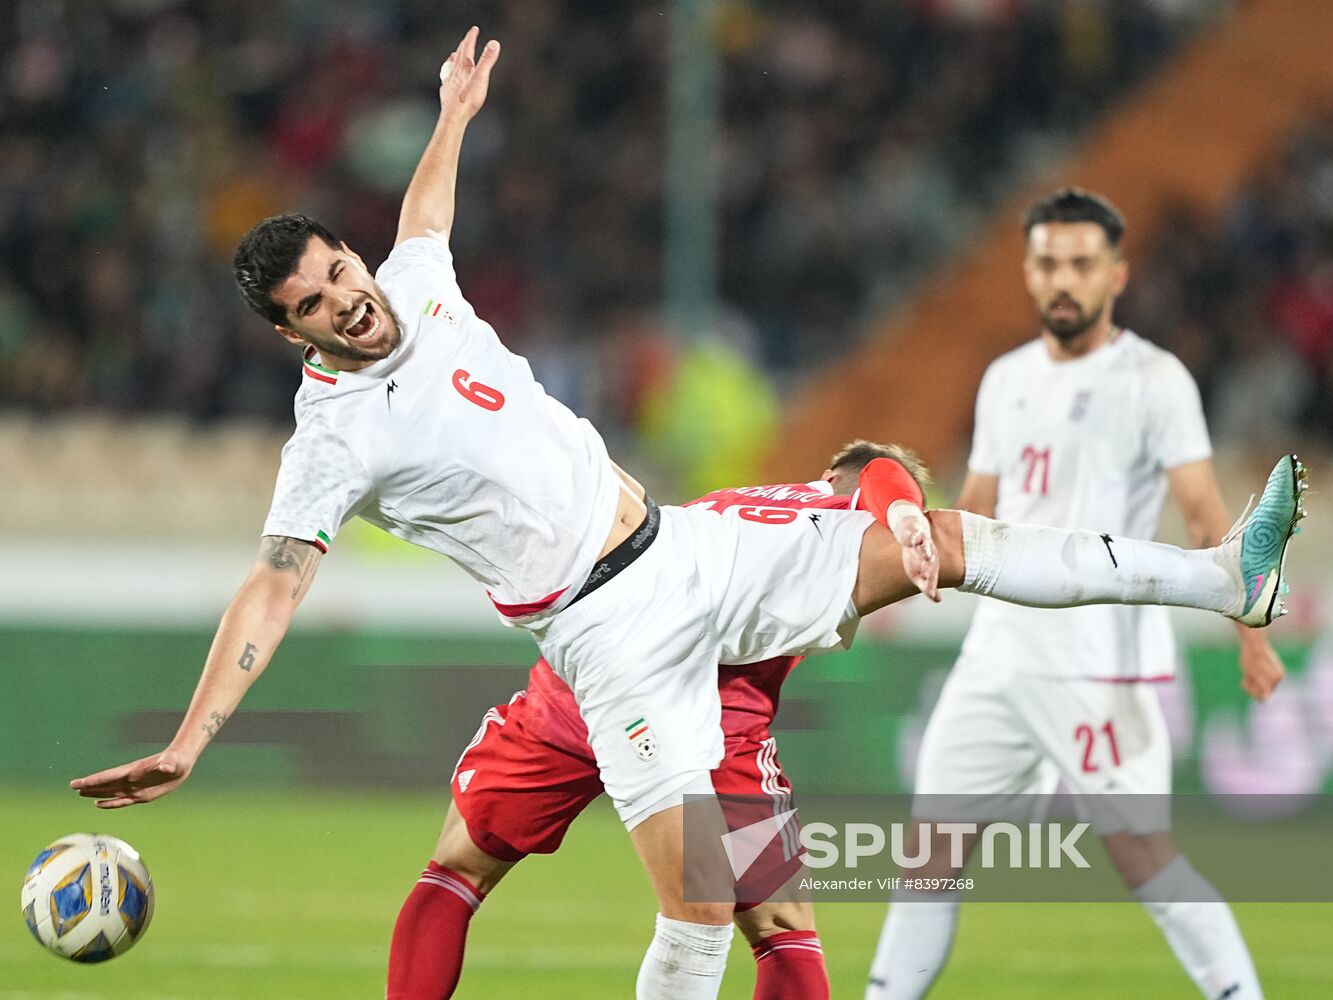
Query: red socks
x,y
791,967
426,956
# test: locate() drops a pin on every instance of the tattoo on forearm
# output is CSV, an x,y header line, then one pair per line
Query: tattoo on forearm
x,y
283,553
247,660
214,723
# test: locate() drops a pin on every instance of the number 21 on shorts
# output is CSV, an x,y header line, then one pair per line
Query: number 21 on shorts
x,y
1092,740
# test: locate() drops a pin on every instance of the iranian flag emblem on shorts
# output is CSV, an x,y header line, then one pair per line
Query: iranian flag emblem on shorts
x,y
642,738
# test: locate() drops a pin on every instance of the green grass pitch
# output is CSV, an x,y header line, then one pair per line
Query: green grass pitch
x,y
293,895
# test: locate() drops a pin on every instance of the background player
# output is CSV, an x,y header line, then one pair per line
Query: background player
x,y
414,417
1088,424
529,772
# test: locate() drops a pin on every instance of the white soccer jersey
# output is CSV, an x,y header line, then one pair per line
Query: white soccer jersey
x,y
450,443
1084,444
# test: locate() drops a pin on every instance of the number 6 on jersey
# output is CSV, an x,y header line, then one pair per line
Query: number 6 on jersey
x,y
478,392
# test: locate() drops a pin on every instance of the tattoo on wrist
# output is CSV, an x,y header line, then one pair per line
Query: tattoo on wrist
x,y
214,723
247,660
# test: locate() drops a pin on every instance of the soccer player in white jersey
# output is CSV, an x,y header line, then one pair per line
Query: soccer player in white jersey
x,y
414,417
1087,425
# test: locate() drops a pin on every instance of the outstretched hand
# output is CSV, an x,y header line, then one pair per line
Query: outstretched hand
x,y
1261,669
143,780
921,560
463,79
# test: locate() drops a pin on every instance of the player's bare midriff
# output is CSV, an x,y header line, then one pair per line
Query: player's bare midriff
x,y
630,510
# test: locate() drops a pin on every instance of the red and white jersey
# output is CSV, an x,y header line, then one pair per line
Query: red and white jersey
x,y
450,443
1084,444
785,495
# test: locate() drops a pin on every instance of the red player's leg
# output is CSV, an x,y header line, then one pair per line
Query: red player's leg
x,y
426,956
787,951
513,794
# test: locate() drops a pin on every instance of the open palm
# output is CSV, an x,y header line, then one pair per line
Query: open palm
x,y
463,79
143,780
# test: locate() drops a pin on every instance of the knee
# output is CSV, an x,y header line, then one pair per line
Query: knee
x,y
697,913
1139,857
768,919
457,852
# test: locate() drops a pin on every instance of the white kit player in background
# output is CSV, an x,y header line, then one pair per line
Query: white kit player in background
x,y
1088,425
413,416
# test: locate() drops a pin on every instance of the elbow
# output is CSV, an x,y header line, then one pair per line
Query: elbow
x,y
270,600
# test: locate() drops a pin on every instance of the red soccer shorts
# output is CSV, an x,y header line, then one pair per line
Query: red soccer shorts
x,y
518,793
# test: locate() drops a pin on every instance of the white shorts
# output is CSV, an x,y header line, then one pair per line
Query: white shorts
x,y
641,652
1004,739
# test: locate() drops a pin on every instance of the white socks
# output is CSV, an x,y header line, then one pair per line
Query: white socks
x,y
1057,568
914,944
1201,930
684,962
1197,923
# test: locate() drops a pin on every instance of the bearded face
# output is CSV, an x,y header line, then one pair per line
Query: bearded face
x,y
1073,275
333,304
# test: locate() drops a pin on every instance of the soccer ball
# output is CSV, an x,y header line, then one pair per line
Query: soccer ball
x,y
87,897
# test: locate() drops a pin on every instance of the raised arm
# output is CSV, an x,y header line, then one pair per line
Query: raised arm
x,y
1196,493
249,633
428,206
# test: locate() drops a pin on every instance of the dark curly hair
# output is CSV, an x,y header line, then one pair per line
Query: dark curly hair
x,y
268,254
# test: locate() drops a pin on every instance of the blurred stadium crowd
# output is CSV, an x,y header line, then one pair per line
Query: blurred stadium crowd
x,y
1246,299
144,136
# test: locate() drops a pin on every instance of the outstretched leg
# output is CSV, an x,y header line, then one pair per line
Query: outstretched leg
x,y
1057,568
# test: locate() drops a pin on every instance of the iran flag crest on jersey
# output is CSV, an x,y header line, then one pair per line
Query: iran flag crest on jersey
x,y
642,739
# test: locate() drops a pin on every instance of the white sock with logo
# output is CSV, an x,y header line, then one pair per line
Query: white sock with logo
x,y
1046,567
1202,931
914,944
685,961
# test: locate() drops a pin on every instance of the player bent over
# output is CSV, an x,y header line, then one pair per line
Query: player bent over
x,y
529,772
414,417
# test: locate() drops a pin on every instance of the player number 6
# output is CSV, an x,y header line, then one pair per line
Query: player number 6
x,y
478,392
767,515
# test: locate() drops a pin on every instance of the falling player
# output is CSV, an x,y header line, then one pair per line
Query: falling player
x,y
1089,424
414,417
529,772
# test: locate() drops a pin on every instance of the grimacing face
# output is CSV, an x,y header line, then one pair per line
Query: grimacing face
x,y
1073,275
334,304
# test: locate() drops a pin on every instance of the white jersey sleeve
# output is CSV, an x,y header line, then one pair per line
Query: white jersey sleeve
x,y
986,457
321,485
1175,430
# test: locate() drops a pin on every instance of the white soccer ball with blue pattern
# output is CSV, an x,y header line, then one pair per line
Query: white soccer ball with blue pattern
x,y
87,897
